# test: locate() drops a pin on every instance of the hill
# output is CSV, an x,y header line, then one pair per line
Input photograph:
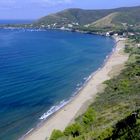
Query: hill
x,y
105,21
72,16
123,18
92,18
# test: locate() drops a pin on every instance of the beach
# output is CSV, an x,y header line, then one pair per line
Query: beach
x,y
86,95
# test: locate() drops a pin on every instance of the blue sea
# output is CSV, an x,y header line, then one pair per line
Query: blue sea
x,y
40,71
6,21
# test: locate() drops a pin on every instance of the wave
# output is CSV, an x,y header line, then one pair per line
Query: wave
x,y
54,109
60,105
22,138
80,86
45,116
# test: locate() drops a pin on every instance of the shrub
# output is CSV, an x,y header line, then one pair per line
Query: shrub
x,y
56,134
74,130
106,134
89,116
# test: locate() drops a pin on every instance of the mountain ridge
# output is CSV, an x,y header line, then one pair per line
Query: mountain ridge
x,y
74,17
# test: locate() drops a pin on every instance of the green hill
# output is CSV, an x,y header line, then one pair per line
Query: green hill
x,y
123,18
106,21
104,18
72,16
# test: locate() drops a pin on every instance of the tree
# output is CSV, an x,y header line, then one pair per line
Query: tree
x,y
75,130
56,134
89,116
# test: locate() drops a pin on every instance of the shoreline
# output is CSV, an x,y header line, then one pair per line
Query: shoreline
x,y
59,29
81,99
47,115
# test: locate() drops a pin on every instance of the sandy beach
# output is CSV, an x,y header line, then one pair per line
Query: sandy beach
x,y
81,101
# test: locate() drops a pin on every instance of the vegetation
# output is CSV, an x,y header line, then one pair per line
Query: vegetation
x,y
80,16
101,21
56,134
116,113
73,130
89,116
110,19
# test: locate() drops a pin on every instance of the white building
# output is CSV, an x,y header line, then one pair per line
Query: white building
x,y
107,34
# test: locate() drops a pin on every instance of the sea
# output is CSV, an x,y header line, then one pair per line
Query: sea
x,y
7,21
41,71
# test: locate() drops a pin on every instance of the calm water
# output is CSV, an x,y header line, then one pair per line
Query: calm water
x,y
39,69
16,21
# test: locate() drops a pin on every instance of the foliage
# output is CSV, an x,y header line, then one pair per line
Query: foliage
x,y
89,116
56,134
105,134
125,16
127,128
74,130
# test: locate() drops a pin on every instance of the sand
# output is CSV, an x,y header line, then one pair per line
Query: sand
x,y
81,101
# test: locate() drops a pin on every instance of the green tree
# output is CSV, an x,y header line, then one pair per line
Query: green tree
x,y
56,134
89,116
74,130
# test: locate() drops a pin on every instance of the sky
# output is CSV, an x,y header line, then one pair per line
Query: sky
x,y
34,9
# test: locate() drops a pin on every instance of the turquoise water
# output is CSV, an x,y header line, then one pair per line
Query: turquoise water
x,y
40,71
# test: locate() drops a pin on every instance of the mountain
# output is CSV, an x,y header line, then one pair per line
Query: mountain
x,y
120,18
92,18
72,16
106,21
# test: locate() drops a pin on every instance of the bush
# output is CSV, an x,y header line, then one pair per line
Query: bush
x,y
56,134
74,130
106,134
89,116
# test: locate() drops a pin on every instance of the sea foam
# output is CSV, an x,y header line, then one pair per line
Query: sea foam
x,y
53,109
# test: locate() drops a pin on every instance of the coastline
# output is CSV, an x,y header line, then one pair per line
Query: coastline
x,y
44,29
80,101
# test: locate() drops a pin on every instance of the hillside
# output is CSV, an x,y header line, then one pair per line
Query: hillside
x,y
93,18
121,19
106,21
72,16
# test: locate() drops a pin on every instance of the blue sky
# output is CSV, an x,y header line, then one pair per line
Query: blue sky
x,y
33,9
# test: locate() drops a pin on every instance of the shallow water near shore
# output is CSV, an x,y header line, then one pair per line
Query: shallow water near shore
x,y
40,71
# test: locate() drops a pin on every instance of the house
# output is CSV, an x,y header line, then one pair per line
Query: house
x,y
70,25
107,34
116,34
131,34
138,45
